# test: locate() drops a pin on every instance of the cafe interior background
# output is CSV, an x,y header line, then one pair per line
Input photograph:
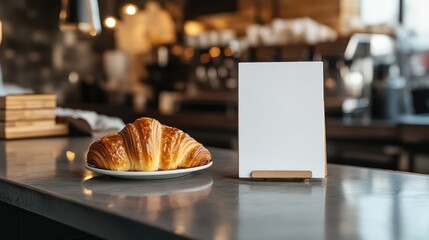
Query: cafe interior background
x,y
177,61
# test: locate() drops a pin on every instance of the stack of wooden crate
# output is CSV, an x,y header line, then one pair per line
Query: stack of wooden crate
x,y
29,115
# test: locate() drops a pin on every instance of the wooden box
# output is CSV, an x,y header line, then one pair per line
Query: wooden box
x,y
29,115
28,101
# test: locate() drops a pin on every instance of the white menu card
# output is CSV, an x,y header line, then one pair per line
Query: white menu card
x,y
281,118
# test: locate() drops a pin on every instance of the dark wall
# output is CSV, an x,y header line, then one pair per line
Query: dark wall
x,y
36,55
29,32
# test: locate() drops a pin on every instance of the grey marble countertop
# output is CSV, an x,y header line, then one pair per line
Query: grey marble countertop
x,y
47,177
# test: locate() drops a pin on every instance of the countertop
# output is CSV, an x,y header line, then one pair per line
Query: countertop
x,y
214,127
47,177
410,129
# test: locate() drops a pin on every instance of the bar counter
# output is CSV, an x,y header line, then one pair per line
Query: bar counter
x,y
47,177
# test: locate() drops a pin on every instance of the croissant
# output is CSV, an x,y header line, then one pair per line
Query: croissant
x,y
147,145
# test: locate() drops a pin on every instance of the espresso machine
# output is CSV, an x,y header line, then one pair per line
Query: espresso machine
x,y
372,83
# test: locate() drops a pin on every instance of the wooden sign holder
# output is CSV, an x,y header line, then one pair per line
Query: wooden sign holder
x,y
280,174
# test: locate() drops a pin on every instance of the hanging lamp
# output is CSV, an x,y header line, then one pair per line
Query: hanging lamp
x,y
81,16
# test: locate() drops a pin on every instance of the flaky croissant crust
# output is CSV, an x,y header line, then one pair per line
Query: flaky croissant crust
x,y
147,145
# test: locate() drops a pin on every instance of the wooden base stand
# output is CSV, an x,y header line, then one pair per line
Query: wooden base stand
x,y
281,174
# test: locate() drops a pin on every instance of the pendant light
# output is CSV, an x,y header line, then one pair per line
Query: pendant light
x,y
111,14
80,15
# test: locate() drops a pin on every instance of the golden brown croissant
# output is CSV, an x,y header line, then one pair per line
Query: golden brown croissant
x,y
147,145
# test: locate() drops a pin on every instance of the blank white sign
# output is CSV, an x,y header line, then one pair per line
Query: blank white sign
x,y
281,117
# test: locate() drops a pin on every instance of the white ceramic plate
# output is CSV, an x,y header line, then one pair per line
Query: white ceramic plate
x,y
148,175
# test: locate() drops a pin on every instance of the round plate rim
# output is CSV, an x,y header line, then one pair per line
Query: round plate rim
x,y
146,174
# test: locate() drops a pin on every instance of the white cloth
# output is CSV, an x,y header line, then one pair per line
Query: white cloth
x,y
9,89
97,122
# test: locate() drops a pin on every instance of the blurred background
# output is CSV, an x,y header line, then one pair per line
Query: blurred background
x,y
177,61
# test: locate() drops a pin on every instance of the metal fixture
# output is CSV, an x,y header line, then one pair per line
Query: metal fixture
x,y
80,15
